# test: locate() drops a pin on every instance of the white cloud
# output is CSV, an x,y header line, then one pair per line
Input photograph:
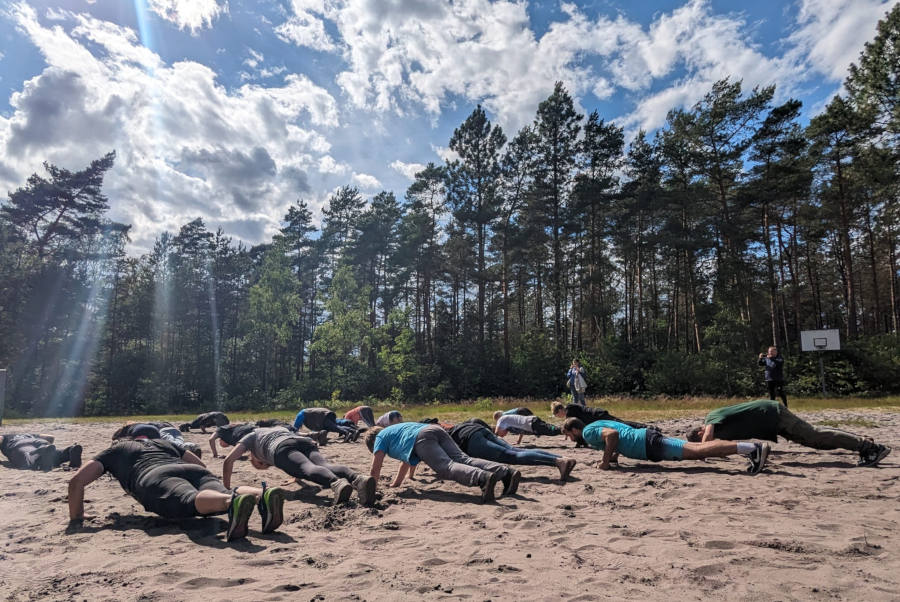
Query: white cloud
x,y
366,181
186,146
305,29
188,14
254,60
407,169
445,153
832,33
327,164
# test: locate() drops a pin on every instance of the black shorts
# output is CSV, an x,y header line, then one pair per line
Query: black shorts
x,y
170,490
654,446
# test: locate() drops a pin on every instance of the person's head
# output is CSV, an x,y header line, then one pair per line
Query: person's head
x,y
773,351
694,434
258,464
369,437
576,363
184,427
497,415
572,429
558,409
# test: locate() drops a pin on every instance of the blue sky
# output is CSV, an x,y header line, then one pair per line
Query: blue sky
x,y
231,110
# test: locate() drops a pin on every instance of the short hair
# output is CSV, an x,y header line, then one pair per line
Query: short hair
x,y
369,437
556,406
693,434
573,423
498,414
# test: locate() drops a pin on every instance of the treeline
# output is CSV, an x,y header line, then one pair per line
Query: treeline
x,y
666,264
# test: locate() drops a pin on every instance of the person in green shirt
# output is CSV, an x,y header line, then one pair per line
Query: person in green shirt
x,y
766,419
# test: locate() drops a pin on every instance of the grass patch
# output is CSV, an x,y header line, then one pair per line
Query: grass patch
x,y
851,421
643,409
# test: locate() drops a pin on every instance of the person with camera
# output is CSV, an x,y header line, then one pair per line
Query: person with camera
x,y
774,373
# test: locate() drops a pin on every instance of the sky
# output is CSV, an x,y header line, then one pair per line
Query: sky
x,y
231,110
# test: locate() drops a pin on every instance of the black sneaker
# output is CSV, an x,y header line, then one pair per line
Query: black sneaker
x,y
75,456
511,481
239,511
271,508
873,455
758,458
487,488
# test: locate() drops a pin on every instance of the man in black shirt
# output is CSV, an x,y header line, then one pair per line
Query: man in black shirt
x,y
588,415
205,421
174,483
475,438
37,452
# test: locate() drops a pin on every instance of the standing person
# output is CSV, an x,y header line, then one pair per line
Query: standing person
x,y
37,452
299,457
414,442
614,438
774,373
362,414
766,419
205,421
475,438
522,425
173,483
323,419
577,382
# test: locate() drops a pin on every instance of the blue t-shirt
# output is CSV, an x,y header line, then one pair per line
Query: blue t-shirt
x,y
632,441
398,440
298,420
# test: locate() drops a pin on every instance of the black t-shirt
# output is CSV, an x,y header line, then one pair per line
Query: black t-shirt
x,y
130,460
585,414
463,432
11,442
233,433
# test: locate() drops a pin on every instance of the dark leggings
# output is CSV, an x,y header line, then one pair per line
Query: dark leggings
x,y
777,386
302,460
367,416
330,424
170,490
539,427
490,447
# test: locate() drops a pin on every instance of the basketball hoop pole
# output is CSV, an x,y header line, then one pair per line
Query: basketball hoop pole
x,y
822,374
2,391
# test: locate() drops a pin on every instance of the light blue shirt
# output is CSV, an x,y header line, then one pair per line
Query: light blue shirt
x,y
632,441
398,441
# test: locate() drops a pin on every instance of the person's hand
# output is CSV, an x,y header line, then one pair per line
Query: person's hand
x,y
762,355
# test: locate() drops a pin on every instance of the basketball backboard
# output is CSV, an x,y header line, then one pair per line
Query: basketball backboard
x,y
820,340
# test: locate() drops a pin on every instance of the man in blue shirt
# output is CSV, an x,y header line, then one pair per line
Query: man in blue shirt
x,y
613,438
414,442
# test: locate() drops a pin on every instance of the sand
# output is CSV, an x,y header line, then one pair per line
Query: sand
x,y
812,526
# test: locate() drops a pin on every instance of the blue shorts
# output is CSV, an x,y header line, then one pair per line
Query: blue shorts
x,y
660,447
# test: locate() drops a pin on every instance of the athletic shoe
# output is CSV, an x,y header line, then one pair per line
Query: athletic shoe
x,y
873,455
487,488
271,508
342,490
365,489
511,481
758,458
239,511
75,456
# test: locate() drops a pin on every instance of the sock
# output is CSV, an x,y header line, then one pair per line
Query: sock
x,y
746,448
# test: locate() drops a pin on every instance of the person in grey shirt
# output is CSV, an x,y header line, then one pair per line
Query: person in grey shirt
x,y
299,457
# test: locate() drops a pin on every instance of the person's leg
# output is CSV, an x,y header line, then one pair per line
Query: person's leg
x,y
770,385
539,428
711,449
341,471
460,457
779,388
330,424
367,415
294,462
795,429
429,449
482,446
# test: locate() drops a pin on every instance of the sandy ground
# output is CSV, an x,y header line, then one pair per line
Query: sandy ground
x,y
812,526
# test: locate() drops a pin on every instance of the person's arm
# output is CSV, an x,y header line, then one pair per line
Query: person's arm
x,y
709,433
610,446
48,438
519,441
377,462
228,464
212,444
191,458
86,475
401,474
